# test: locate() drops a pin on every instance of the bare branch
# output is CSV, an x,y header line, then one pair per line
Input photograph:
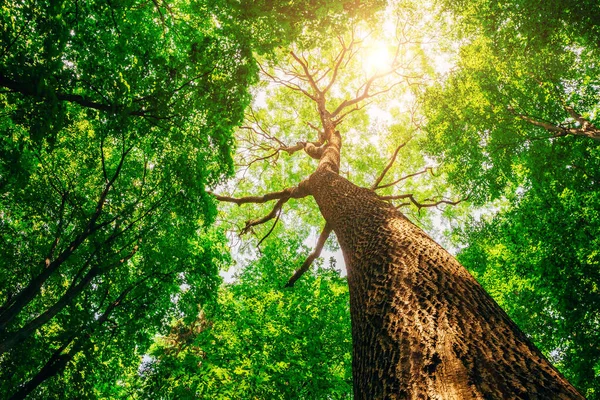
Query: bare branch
x,y
313,149
274,212
304,64
420,205
375,185
309,260
253,199
268,156
428,169
282,197
338,62
365,91
288,83
339,119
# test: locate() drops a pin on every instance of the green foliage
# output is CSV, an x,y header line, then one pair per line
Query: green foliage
x,y
261,341
270,24
515,66
180,73
116,116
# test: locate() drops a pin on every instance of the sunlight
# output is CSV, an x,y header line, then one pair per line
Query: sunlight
x,y
377,59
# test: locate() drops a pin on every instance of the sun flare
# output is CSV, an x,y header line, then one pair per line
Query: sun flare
x,y
377,58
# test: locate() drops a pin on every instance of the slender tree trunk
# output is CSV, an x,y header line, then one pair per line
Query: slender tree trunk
x,y
422,327
55,365
59,360
18,336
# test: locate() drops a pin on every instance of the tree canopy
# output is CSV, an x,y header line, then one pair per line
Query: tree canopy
x,y
259,341
124,124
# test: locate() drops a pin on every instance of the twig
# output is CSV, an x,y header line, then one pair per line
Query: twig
x,y
270,230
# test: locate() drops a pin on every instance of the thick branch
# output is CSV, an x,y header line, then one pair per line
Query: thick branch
x,y
313,149
28,90
586,128
68,296
309,260
255,199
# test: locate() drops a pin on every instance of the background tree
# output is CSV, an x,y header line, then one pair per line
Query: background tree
x,y
115,117
526,74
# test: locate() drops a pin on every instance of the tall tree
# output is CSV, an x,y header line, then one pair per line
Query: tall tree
x,y
421,325
100,181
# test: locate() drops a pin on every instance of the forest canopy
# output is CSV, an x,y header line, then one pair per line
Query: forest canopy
x,y
138,137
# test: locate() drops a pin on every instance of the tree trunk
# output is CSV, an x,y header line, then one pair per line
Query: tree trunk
x,y
422,327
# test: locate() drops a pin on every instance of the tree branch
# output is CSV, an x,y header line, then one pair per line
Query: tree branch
x,y
375,185
282,197
274,212
586,128
338,62
254,199
420,205
365,91
312,256
287,84
270,230
304,64
29,292
29,90
404,178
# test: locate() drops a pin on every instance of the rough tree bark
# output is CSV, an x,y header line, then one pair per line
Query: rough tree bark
x,y
422,327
